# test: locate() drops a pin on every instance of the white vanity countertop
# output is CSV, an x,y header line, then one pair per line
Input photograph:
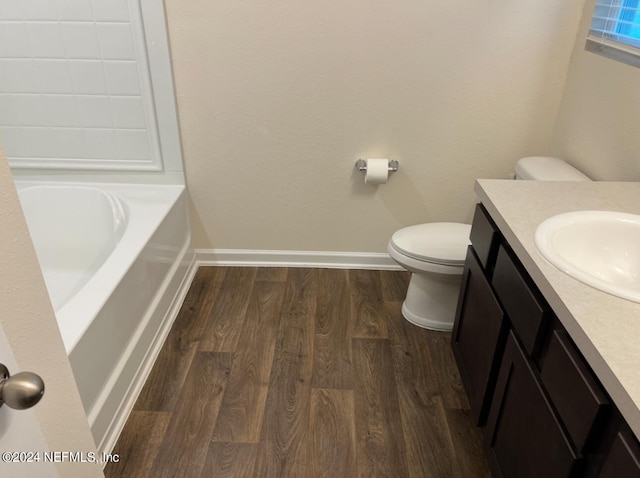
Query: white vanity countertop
x,y
605,328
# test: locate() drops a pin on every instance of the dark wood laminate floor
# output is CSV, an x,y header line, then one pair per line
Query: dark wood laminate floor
x,y
300,373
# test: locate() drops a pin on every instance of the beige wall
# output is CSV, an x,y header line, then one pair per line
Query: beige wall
x,y
278,99
597,126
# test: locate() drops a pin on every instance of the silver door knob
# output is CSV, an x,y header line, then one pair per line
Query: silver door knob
x,y
20,391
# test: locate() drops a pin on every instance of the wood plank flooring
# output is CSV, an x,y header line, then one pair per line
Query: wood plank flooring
x,y
300,373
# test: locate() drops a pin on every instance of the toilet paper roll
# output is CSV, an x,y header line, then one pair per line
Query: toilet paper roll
x,y
377,171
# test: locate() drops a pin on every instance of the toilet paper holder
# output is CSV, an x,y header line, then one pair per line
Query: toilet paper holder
x,y
361,165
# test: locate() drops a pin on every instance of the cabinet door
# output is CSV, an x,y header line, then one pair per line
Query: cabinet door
x,y
478,337
523,438
578,399
623,460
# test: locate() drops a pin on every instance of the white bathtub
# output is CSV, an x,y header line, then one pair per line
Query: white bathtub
x,y
114,258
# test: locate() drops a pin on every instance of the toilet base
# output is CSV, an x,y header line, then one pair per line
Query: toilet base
x,y
432,300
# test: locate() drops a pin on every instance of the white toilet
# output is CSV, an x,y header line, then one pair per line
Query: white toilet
x,y
434,253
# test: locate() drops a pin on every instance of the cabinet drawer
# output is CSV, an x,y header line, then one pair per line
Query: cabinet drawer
x,y
479,333
485,237
574,391
522,302
623,460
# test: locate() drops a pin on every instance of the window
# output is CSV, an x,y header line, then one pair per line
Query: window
x,y
615,30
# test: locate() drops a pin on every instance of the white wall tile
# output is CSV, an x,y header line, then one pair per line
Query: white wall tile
x,y
40,9
95,112
116,41
55,76
45,40
122,77
3,81
128,112
110,10
71,81
87,77
68,142
101,143
61,110
6,110
77,10
12,141
21,76
133,144
11,10
14,40
80,40
28,110
37,142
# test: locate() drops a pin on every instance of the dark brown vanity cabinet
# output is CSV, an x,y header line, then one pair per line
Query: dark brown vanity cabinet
x,y
543,412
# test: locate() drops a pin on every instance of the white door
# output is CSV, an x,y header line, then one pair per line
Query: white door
x,y
30,341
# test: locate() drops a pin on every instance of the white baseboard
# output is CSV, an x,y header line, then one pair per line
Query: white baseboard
x,y
315,259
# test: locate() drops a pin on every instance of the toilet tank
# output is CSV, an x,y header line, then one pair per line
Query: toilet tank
x,y
546,168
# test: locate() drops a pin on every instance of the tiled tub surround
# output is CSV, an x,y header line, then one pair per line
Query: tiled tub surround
x,y
75,86
605,328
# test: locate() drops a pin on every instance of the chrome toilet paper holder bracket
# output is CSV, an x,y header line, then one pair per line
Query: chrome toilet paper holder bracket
x,y
361,165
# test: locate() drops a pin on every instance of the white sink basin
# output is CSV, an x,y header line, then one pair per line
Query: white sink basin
x,y
599,248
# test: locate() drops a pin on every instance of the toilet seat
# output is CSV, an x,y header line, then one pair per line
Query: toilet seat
x,y
443,243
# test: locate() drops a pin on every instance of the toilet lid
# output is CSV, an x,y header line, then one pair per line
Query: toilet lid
x,y
437,242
